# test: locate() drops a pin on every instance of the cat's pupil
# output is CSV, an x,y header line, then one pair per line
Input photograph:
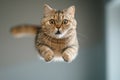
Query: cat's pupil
x,y
52,21
65,21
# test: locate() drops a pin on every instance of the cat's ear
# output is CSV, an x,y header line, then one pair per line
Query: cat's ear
x,y
70,11
48,10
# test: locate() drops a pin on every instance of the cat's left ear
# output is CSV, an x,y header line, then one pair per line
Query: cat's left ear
x,y
71,11
48,10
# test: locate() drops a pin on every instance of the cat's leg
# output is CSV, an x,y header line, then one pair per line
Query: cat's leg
x,y
46,53
70,53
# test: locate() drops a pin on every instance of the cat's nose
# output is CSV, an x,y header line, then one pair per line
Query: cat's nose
x,y
58,27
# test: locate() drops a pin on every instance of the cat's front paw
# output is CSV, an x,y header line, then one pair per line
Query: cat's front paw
x,y
48,56
67,57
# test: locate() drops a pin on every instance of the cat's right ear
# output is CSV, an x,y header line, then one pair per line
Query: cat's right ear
x,y
48,10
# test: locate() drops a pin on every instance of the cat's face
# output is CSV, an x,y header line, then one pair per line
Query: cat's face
x,y
58,23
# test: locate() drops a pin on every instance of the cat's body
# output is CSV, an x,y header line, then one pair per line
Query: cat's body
x,y
56,38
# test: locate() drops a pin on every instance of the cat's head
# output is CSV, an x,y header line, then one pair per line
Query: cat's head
x,y
58,23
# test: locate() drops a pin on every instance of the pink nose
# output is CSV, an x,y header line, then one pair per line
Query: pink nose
x,y
58,27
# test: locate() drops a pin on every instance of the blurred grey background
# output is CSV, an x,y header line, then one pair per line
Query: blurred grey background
x,y
18,57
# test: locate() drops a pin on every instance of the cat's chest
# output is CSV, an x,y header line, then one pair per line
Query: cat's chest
x,y
54,44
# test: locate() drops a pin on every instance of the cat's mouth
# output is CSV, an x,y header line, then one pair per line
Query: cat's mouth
x,y
58,33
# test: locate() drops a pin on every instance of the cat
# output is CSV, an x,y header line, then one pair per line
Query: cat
x,y
56,36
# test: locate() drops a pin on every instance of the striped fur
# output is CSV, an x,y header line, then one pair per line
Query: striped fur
x,y
24,30
56,38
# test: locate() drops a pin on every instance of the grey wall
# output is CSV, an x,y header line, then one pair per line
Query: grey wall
x,y
18,57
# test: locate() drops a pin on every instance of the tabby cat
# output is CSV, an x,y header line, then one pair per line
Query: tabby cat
x,y
56,37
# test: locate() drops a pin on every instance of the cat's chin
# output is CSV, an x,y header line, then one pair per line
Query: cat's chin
x,y
59,36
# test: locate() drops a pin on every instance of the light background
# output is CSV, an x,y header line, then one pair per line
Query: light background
x,y
113,40
18,57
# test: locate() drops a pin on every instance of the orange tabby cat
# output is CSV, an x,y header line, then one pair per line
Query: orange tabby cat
x,y
56,37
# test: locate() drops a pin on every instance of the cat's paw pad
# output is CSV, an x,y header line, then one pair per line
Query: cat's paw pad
x,y
48,57
67,57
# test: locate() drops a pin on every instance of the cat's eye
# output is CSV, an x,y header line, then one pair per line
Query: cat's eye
x,y
65,21
52,21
